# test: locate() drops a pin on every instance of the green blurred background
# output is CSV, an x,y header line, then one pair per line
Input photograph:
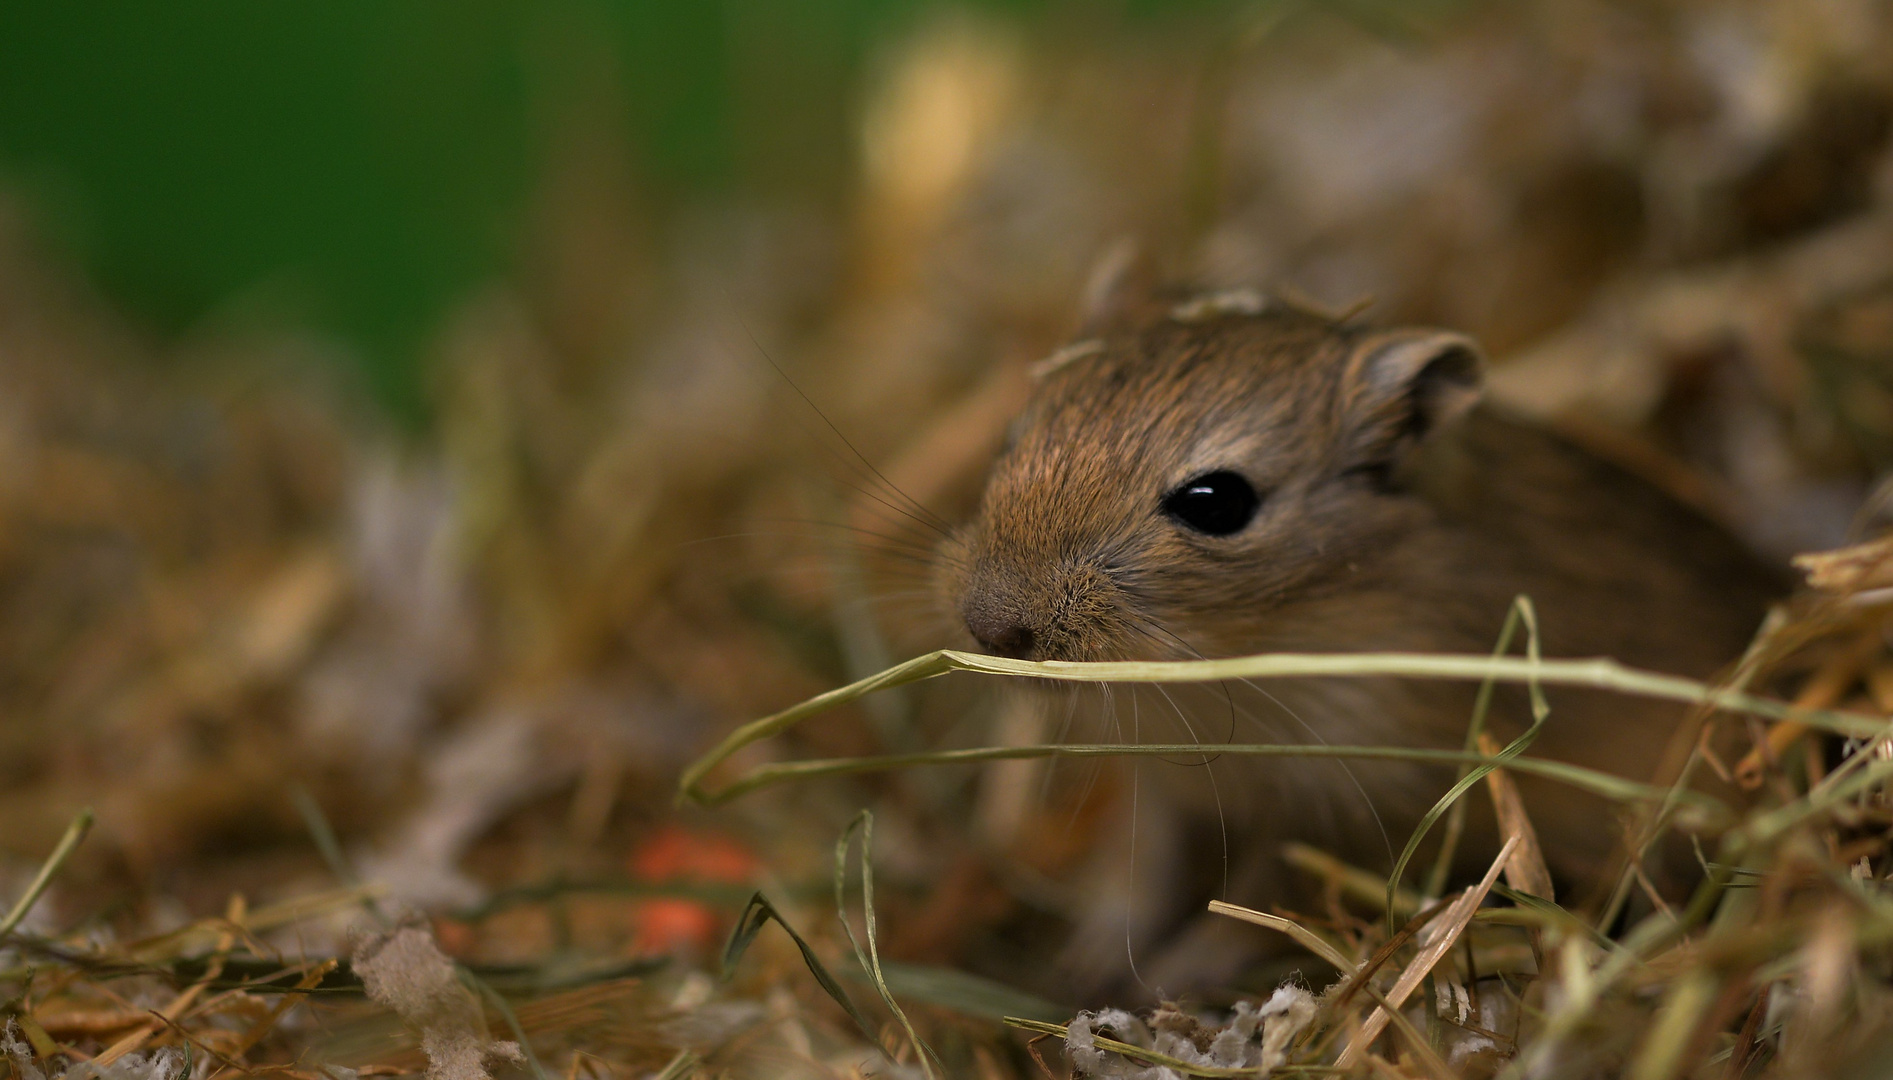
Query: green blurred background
x,y
357,166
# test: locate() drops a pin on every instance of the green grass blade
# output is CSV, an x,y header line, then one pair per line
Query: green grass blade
x,y
1522,608
760,913
1555,914
870,961
965,993
1435,883
75,833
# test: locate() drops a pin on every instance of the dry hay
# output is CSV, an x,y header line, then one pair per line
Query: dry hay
x,y
483,658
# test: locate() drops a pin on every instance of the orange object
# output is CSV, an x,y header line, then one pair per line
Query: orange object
x,y
673,925
675,855
454,937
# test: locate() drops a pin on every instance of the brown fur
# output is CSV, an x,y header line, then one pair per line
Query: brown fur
x,y
1395,516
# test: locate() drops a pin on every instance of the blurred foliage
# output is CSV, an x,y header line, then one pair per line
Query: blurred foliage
x,y
361,165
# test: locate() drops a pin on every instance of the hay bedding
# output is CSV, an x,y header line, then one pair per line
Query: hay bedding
x,y
382,736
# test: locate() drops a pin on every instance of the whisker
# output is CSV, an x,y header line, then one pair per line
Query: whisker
x,y
754,534
1045,781
911,539
1215,791
869,493
925,515
888,547
1373,811
1130,891
1209,759
858,477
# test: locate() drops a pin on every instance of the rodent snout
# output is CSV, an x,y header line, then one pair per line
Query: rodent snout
x,y
999,628
1068,612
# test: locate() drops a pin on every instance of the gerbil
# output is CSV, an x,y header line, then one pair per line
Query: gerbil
x,y
1236,476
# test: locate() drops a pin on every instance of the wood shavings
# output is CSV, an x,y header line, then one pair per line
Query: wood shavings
x,y
405,971
1437,938
1256,1036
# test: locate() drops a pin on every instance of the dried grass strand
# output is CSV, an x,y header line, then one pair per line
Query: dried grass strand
x,y
1599,673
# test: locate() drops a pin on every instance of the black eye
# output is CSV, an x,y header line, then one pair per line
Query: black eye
x,y
1218,503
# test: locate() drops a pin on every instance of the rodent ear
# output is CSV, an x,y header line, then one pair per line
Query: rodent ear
x,y
1118,288
1401,386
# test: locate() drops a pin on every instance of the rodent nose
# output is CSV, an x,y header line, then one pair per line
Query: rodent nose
x,y
998,631
1014,641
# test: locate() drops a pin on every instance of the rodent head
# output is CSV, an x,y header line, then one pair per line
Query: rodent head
x,y
1169,486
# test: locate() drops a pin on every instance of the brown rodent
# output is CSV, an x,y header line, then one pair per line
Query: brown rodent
x,y
1235,476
